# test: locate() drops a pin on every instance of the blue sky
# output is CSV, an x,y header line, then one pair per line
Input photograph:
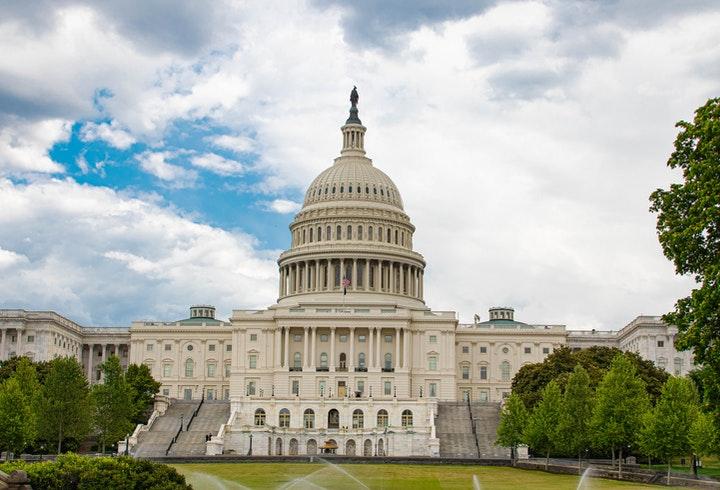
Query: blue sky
x,y
153,155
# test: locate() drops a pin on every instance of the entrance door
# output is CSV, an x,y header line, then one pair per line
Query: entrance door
x,y
342,389
187,394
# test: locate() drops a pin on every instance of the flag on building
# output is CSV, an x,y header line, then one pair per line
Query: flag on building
x,y
345,284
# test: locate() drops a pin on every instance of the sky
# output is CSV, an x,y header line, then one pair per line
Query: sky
x,y
153,153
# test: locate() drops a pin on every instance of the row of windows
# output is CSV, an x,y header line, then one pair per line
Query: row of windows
x,y
312,234
333,418
356,189
190,347
505,350
504,371
190,369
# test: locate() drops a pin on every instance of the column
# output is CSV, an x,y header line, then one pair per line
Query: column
x,y
391,273
354,275
402,279
280,288
397,347
366,276
406,348
19,345
378,340
287,348
318,279
421,274
3,336
327,274
117,351
332,348
342,271
305,347
378,269
313,338
306,269
408,282
351,360
371,347
278,338
91,350
296,286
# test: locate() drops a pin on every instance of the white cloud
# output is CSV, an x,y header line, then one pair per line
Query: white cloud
x,y
24,146
282,206
155,163
238,143
217,164
103,257
111,133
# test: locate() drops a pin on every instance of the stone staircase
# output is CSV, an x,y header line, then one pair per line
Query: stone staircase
x,y
155,442
486,416
211,416
453,427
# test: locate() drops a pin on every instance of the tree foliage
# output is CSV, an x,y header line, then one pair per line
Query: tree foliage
x,y
513,419
17,427
541,430
573,432
703,437
144,388
8,367
113,404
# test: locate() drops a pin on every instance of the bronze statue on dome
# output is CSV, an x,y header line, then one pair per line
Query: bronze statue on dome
x,y
354,97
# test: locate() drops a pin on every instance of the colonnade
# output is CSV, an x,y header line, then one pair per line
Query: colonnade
x,y
105,352
312,350
18,345
373,275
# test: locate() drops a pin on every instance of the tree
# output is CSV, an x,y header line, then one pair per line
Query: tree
x,y
144,387
541,430
620,402
65,408
513,419
575,414
16,417
8,367
688,227
703,437
113,404
665,429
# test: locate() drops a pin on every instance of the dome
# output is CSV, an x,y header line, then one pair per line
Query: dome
x,y
353,179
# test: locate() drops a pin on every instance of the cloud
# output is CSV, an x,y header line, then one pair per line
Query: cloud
x,y
155,163
238,144
282,206
24,146
217,164
101,257
111,133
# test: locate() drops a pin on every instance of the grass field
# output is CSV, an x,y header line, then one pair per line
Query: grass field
x,y
233,476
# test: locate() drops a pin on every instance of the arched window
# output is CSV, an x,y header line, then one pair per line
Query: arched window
x,y
360,232
333,419
402,238
382,418
505,371
338,233
323,359
333,190
328,234
309,419
319,234
311,235
349,233
406,418
388,235
678,366
303,235
380,235
370,233
343,360
189,368
293,447
388,361
284,419
297,360
358,419
361,360
396,237
350,188
259,416
342,189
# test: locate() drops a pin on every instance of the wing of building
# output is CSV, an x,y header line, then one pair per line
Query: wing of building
x,y
349,359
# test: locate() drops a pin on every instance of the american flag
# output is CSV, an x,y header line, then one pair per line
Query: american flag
x,y
345,283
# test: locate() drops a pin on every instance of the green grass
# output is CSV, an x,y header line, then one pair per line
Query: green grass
x,y
710,467
380,476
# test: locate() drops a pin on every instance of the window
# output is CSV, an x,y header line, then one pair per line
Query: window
x,y
297,360
227,370
360,386
678,366
309,419
321,387
253,361
284,418
370,233
361,338
466,372
349,233
31,339
388,339
296,387
323,338
297,338
324,359
661,343
251,388
361,360
211,347
528,350
253,337
483,350
483,372
483,396
662,363
358,419
432,389
433,339
338,232
228,348
260,417
211,370
546,350
167,370
388,361
360,232
407,418
382,418
189,368
432,363
505,371
149,347
189,347
387,388
465,349
168,347
343,338
166,392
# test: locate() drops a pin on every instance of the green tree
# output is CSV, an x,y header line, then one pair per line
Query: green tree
x,y
8,367
703,437
666,428
65,407
620,402
17,428
688,227
144,389
541,430
113,404
513,419
573,432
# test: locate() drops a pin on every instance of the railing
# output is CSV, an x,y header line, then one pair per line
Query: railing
x,y
388,370
322,369
361,370
195,412
295,369
472,423
174,439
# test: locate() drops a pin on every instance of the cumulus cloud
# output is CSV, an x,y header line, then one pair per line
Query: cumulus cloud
x,y
24,145
217,164
156,163
103,257
282,206
111,133
237,143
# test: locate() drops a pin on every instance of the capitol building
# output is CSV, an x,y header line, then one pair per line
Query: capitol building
x,y
350,359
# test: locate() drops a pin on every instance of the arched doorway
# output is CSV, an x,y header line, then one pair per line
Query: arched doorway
x,y
333,419
381,448
278,447
350,447
312,446
293,447
367,448
343,362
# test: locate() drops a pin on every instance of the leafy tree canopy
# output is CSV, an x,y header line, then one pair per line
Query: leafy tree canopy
x,y
8,368
144,388
513,419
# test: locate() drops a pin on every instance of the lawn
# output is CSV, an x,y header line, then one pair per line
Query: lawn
x,y
234,476
710,467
